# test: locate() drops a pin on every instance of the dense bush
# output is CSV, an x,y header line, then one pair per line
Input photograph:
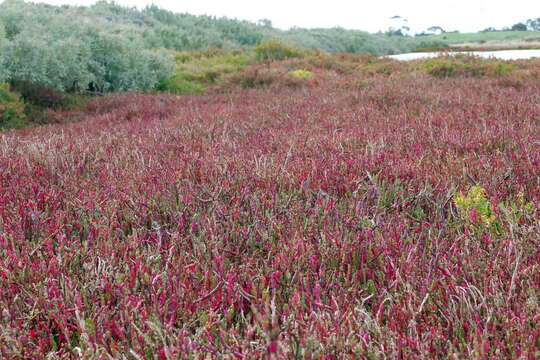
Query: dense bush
x,y
260,76
255,77
465,65
11,109
181,83
384,66
59,48
337,40
39,95
79,34
275,50
341,63
197,71
441,67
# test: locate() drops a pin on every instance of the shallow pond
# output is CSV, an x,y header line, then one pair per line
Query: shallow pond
x,y
499,54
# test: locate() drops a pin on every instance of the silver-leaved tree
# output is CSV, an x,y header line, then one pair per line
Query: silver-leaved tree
x,y
47,48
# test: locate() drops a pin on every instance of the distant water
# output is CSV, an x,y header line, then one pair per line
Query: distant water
x,y
500,54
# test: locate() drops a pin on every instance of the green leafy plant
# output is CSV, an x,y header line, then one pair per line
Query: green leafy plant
x,y
519,209
301,73
476,208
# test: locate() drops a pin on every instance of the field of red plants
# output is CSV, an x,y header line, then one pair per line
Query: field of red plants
x,y
315,220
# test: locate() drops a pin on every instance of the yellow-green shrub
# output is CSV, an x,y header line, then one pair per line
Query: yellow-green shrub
x,y
275,50
196,71
11,109
475,208
181,83
301,73
441,67
465,65
384,67
255,77
518,209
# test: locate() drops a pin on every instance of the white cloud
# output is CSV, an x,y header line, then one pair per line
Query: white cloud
x,y
462,15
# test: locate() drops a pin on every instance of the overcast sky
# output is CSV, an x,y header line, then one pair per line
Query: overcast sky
x,y
372,16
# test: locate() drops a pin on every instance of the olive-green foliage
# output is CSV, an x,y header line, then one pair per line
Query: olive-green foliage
x,y
465,65
71,49
196,71
481,213
441,67
256,77
518,209
188,32
162,28
181,83
11,109
301,73
275,50
344,63
338,40
385,66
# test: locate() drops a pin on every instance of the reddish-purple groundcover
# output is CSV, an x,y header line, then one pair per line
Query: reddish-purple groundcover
x,y
308,222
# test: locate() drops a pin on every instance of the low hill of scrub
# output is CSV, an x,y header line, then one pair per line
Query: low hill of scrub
x,y
110,48
274,64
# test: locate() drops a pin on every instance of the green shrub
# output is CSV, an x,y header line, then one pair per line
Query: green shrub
x,y
11,109
275,50
340,63
502,68
181,83
301,73
440,67
39,95
518,208
432,46
467,66
255,77
196,71
384,67
261,76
